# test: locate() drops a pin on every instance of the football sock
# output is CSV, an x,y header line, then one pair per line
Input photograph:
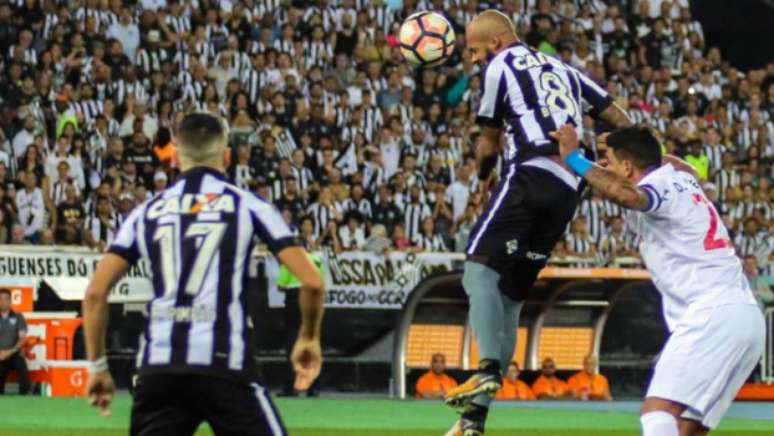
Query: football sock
x,y
476,413
659,423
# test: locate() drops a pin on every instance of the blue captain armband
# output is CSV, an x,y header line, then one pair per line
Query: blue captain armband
x,y
578,162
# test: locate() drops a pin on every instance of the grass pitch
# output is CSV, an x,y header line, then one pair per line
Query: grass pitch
x,y
37,416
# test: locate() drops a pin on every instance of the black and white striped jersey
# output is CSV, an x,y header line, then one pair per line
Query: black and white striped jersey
x,y
102,232
197,236
429,243
413,214
533,94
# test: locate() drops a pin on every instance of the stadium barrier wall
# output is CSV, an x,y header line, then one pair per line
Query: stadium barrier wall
x,y
767,362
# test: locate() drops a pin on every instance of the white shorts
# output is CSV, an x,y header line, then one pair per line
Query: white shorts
x,y
707,359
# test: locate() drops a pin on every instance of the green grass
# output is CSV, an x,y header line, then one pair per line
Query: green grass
x,y
36,416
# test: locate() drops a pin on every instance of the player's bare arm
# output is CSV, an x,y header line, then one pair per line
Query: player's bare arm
x,y
616,116
307,354
487,150
95,316
611,185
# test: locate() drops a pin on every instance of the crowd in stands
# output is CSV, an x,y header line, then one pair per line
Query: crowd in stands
x,y
585,385
329,123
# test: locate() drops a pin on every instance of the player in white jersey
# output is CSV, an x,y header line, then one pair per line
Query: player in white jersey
x,y
709,308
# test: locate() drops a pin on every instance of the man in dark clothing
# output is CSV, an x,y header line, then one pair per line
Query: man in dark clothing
x,y
13,332
385,212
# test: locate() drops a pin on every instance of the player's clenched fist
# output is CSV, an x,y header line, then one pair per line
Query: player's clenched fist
x,y
567,138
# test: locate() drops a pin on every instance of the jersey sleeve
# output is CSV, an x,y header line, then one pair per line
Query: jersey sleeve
x,y
659,196
593,94
125,242
271,227
493,91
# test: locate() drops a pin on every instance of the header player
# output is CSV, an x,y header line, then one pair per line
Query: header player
x,y
709,308
526,95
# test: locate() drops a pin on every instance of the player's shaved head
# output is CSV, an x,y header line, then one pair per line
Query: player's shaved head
x,y
489,33
488,24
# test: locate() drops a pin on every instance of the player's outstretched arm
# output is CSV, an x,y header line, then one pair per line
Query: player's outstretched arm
x,y
616,116
307,354
95,315
611,185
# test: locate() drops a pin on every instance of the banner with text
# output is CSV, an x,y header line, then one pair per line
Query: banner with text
x,y
68,273
364,280
353,279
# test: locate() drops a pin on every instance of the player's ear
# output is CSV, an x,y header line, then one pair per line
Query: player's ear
x,y
628,168
495,43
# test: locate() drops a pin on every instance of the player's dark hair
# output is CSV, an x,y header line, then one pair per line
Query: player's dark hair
x,y
4,291
636,144
198,130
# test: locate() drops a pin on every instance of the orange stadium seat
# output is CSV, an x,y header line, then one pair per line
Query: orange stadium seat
x,y
424,340
519,354
566,345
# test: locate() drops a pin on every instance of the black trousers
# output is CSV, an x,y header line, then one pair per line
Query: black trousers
x,y
176,404
292,323
15,361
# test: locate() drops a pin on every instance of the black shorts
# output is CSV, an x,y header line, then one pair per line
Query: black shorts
x,y
176,404
521,223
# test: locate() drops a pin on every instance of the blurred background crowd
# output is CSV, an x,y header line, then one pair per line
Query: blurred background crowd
x,y
331,125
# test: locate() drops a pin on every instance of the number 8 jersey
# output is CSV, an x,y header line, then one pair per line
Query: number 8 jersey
x,y
686,246
535,94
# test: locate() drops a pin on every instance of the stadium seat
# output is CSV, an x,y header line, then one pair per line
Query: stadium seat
x,y
424,340
566,345
519,353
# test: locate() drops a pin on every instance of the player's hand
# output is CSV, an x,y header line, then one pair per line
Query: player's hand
x,y
567,138
602,149
4,354
307,360
100,391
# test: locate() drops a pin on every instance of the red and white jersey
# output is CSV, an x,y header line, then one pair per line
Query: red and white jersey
x,y
686,246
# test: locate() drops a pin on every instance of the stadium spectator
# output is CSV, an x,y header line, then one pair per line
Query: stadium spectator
x,y
325,88
31,206
352,235
513,388
428,239
13,332
548,386
435,383
617,242
588,384
579,242
759,283
463,226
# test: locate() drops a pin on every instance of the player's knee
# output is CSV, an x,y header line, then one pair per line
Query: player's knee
x,y
652,404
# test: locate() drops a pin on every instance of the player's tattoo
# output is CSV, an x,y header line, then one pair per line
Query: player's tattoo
x,y
617,188
616,116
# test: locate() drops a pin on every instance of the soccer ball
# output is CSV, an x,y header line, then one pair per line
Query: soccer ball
x,y
426,39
